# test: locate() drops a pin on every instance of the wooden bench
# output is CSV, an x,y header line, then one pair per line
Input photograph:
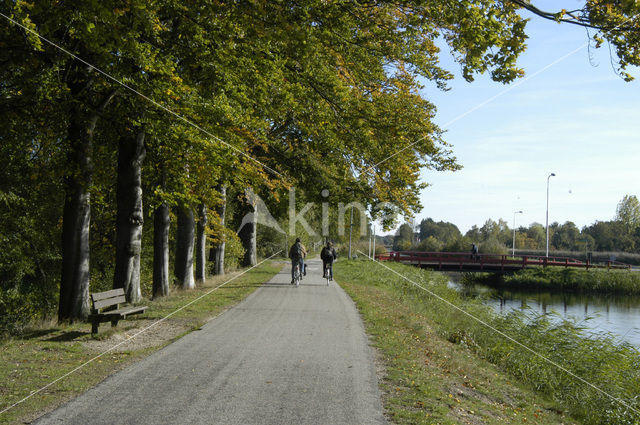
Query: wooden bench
x,y
106,308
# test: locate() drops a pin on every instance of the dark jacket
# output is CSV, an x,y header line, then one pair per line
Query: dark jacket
x,y
297,251
328,254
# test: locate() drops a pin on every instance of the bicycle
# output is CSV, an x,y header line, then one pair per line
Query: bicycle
x,y
296,275
327,272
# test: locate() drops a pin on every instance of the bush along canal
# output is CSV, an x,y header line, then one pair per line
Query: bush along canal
x,y
560,279
594,377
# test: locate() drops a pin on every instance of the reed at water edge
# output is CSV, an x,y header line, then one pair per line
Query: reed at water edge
x,y
556,353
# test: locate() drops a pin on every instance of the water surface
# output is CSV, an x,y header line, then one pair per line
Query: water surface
x,y
617,315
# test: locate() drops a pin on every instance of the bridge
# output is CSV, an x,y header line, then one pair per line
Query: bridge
x,y
466,262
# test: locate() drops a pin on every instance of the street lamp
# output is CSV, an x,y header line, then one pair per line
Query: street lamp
x,y
351,221
550,175
586,249
513,246
350,228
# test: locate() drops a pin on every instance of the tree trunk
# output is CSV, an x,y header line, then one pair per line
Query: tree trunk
x,y
217,252
201,243
161,224
184,249
129,218
76,219
247,232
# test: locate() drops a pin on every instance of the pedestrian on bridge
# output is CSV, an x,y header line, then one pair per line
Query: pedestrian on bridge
x,y
474,252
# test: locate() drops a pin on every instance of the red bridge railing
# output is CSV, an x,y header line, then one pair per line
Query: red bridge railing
x,y
466,260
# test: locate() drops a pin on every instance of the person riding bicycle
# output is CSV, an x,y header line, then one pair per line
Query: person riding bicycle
x,y
328,254
297,254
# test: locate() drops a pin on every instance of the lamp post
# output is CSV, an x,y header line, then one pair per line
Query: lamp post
x,y
374,242
513,246
586,249
548,177
351,221
350,227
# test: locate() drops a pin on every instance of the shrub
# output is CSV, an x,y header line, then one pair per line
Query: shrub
x,y
461,244
233,252
430,244
18,310
561,279
493,246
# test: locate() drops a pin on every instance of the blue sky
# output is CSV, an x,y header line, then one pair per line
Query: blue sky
x,y
580,121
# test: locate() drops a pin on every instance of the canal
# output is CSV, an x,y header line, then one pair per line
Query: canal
x,y
599,314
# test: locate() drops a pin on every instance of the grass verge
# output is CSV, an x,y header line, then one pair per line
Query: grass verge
x,y
561,279
443,367
41,355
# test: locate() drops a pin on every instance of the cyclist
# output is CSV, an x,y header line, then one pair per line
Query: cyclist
x,y
328,254
297,254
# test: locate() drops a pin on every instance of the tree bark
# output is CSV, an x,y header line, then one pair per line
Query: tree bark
x,y
217,252
76,217
201,243
184,249
247,233
129,217
161,222
76,221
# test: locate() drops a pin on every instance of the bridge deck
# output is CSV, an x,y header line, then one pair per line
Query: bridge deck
x,y
460,261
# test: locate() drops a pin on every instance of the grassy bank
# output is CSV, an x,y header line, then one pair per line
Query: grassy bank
x,y
41,355
444,367
561,279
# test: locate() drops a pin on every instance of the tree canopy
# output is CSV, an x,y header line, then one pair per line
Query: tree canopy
x,y
615,22
267,95
628,213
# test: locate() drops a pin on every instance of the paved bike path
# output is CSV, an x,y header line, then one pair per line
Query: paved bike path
x,y
285,355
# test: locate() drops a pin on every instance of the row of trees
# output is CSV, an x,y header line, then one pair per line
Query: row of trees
x,y
622,234
115,115
271,94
